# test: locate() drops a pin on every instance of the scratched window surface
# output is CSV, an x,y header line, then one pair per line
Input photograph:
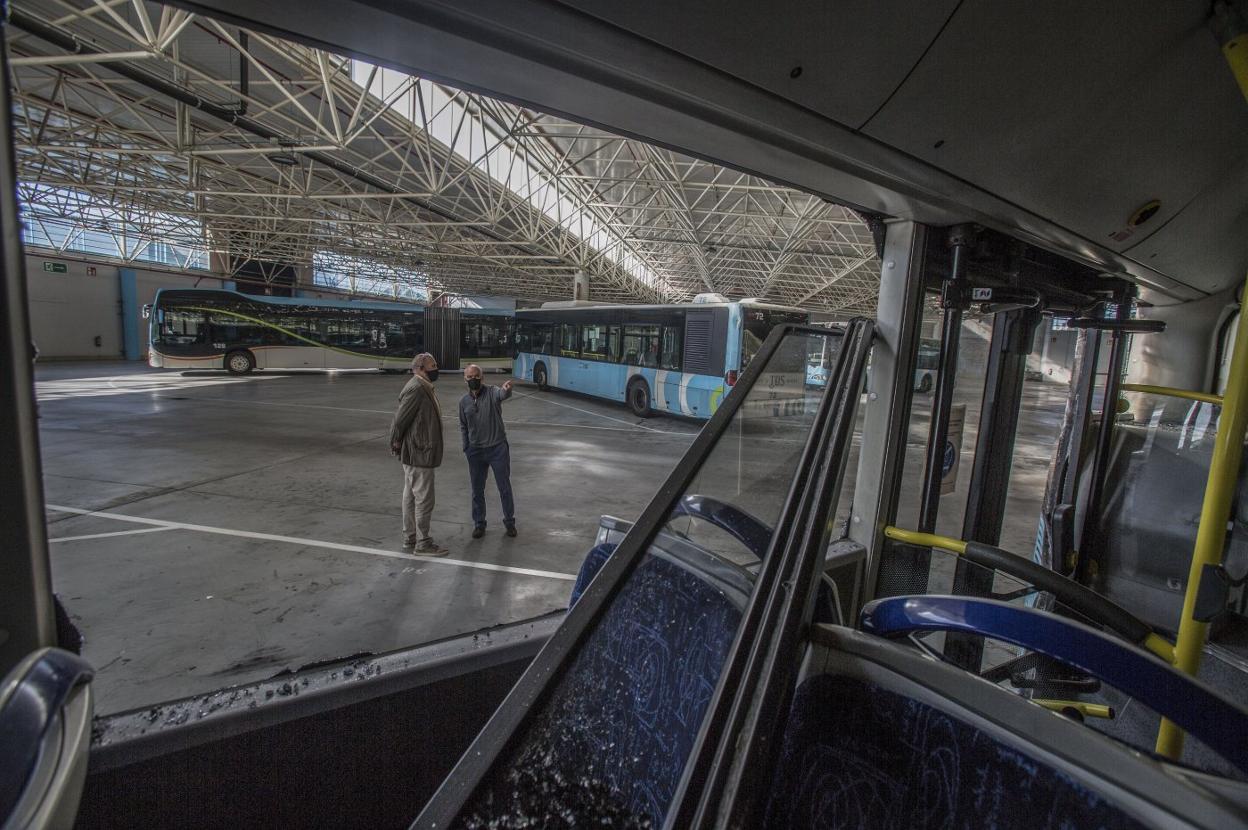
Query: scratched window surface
x,y
614,734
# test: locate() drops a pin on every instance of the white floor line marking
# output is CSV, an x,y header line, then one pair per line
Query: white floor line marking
x,y
315,543
298,405
597,414
631,428
95,387
587,426
103,535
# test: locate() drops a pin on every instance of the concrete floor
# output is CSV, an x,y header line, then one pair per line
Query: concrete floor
x,y
243,526
262,527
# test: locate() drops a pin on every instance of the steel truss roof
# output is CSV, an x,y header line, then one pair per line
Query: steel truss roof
x,y
355,163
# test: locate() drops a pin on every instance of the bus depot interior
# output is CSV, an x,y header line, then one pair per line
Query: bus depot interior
x,y
875,423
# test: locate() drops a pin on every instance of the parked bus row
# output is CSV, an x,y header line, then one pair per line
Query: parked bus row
x,y
214,329
678,359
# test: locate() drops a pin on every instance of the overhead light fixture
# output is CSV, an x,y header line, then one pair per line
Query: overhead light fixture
x,y
287,159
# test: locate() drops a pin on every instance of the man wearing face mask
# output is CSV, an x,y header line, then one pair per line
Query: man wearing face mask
x,y
485,445
416,438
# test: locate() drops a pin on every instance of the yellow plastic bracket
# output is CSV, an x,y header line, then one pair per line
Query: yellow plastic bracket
x,y
1235,51
927,540
1088,710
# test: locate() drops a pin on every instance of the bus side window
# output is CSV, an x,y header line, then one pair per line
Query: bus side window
x,y
236,331
569,340
641,345
669,354
184,327
613,344
594,344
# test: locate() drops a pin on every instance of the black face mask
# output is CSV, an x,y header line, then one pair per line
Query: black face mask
x,y
432,374
474,384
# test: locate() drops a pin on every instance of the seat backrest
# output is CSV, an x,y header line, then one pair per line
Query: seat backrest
x,y
858,755
590,566
610,742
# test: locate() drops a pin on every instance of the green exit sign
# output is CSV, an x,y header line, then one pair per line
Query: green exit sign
x,y
56,267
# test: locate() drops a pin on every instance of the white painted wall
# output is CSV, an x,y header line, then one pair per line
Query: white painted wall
x,y
68,311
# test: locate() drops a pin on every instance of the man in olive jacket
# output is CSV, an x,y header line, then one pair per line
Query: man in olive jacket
x,y
416,438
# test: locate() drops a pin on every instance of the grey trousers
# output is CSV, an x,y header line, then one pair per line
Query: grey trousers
x,y
417,502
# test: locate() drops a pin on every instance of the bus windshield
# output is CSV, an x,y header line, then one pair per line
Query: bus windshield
x,y
757,323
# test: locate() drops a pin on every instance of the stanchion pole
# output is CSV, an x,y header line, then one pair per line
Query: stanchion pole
x,y
1228,449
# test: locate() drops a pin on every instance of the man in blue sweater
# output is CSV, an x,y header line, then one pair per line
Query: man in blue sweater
x,y
485,445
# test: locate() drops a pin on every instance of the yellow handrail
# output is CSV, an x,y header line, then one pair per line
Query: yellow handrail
x,y
1156,644
1228,449
1088,710
927,540
1170,391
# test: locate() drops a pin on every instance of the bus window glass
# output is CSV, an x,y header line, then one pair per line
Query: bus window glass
x,y
230,330
534,338
641,345
669,354
757,323
393,332
568,346
346,333
181,327
594,342
613,344
485,336
526,337
929,354
1228,345
747,474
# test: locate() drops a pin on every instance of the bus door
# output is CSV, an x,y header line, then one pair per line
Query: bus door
x,y
599,367
571,371
669,375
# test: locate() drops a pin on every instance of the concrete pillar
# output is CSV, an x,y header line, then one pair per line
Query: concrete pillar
x,y
131,318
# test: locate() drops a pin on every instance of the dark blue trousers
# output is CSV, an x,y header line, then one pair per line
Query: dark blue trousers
x,y
480,461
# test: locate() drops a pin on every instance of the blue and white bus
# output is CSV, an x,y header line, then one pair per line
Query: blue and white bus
x,y
680,359
194,328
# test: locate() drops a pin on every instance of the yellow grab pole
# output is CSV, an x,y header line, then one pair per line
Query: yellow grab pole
x,y
1228,448
1203,397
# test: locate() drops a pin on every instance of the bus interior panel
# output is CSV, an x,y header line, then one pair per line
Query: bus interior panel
x,y
735,656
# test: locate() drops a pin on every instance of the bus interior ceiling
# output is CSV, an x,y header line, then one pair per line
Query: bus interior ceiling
x,y
227,544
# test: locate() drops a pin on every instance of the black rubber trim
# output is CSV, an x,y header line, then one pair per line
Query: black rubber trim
x,y
1082,600
1130,326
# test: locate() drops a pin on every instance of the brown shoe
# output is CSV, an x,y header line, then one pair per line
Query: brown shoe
x,y
430,548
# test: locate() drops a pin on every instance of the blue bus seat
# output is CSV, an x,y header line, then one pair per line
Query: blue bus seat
x,y
856,755
590,566
611,740
826,607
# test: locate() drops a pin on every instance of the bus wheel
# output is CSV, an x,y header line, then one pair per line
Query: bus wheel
x,y
639,398
539,376
240,362
925,385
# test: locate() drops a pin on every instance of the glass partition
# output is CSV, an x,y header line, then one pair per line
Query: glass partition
x,y
611,735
